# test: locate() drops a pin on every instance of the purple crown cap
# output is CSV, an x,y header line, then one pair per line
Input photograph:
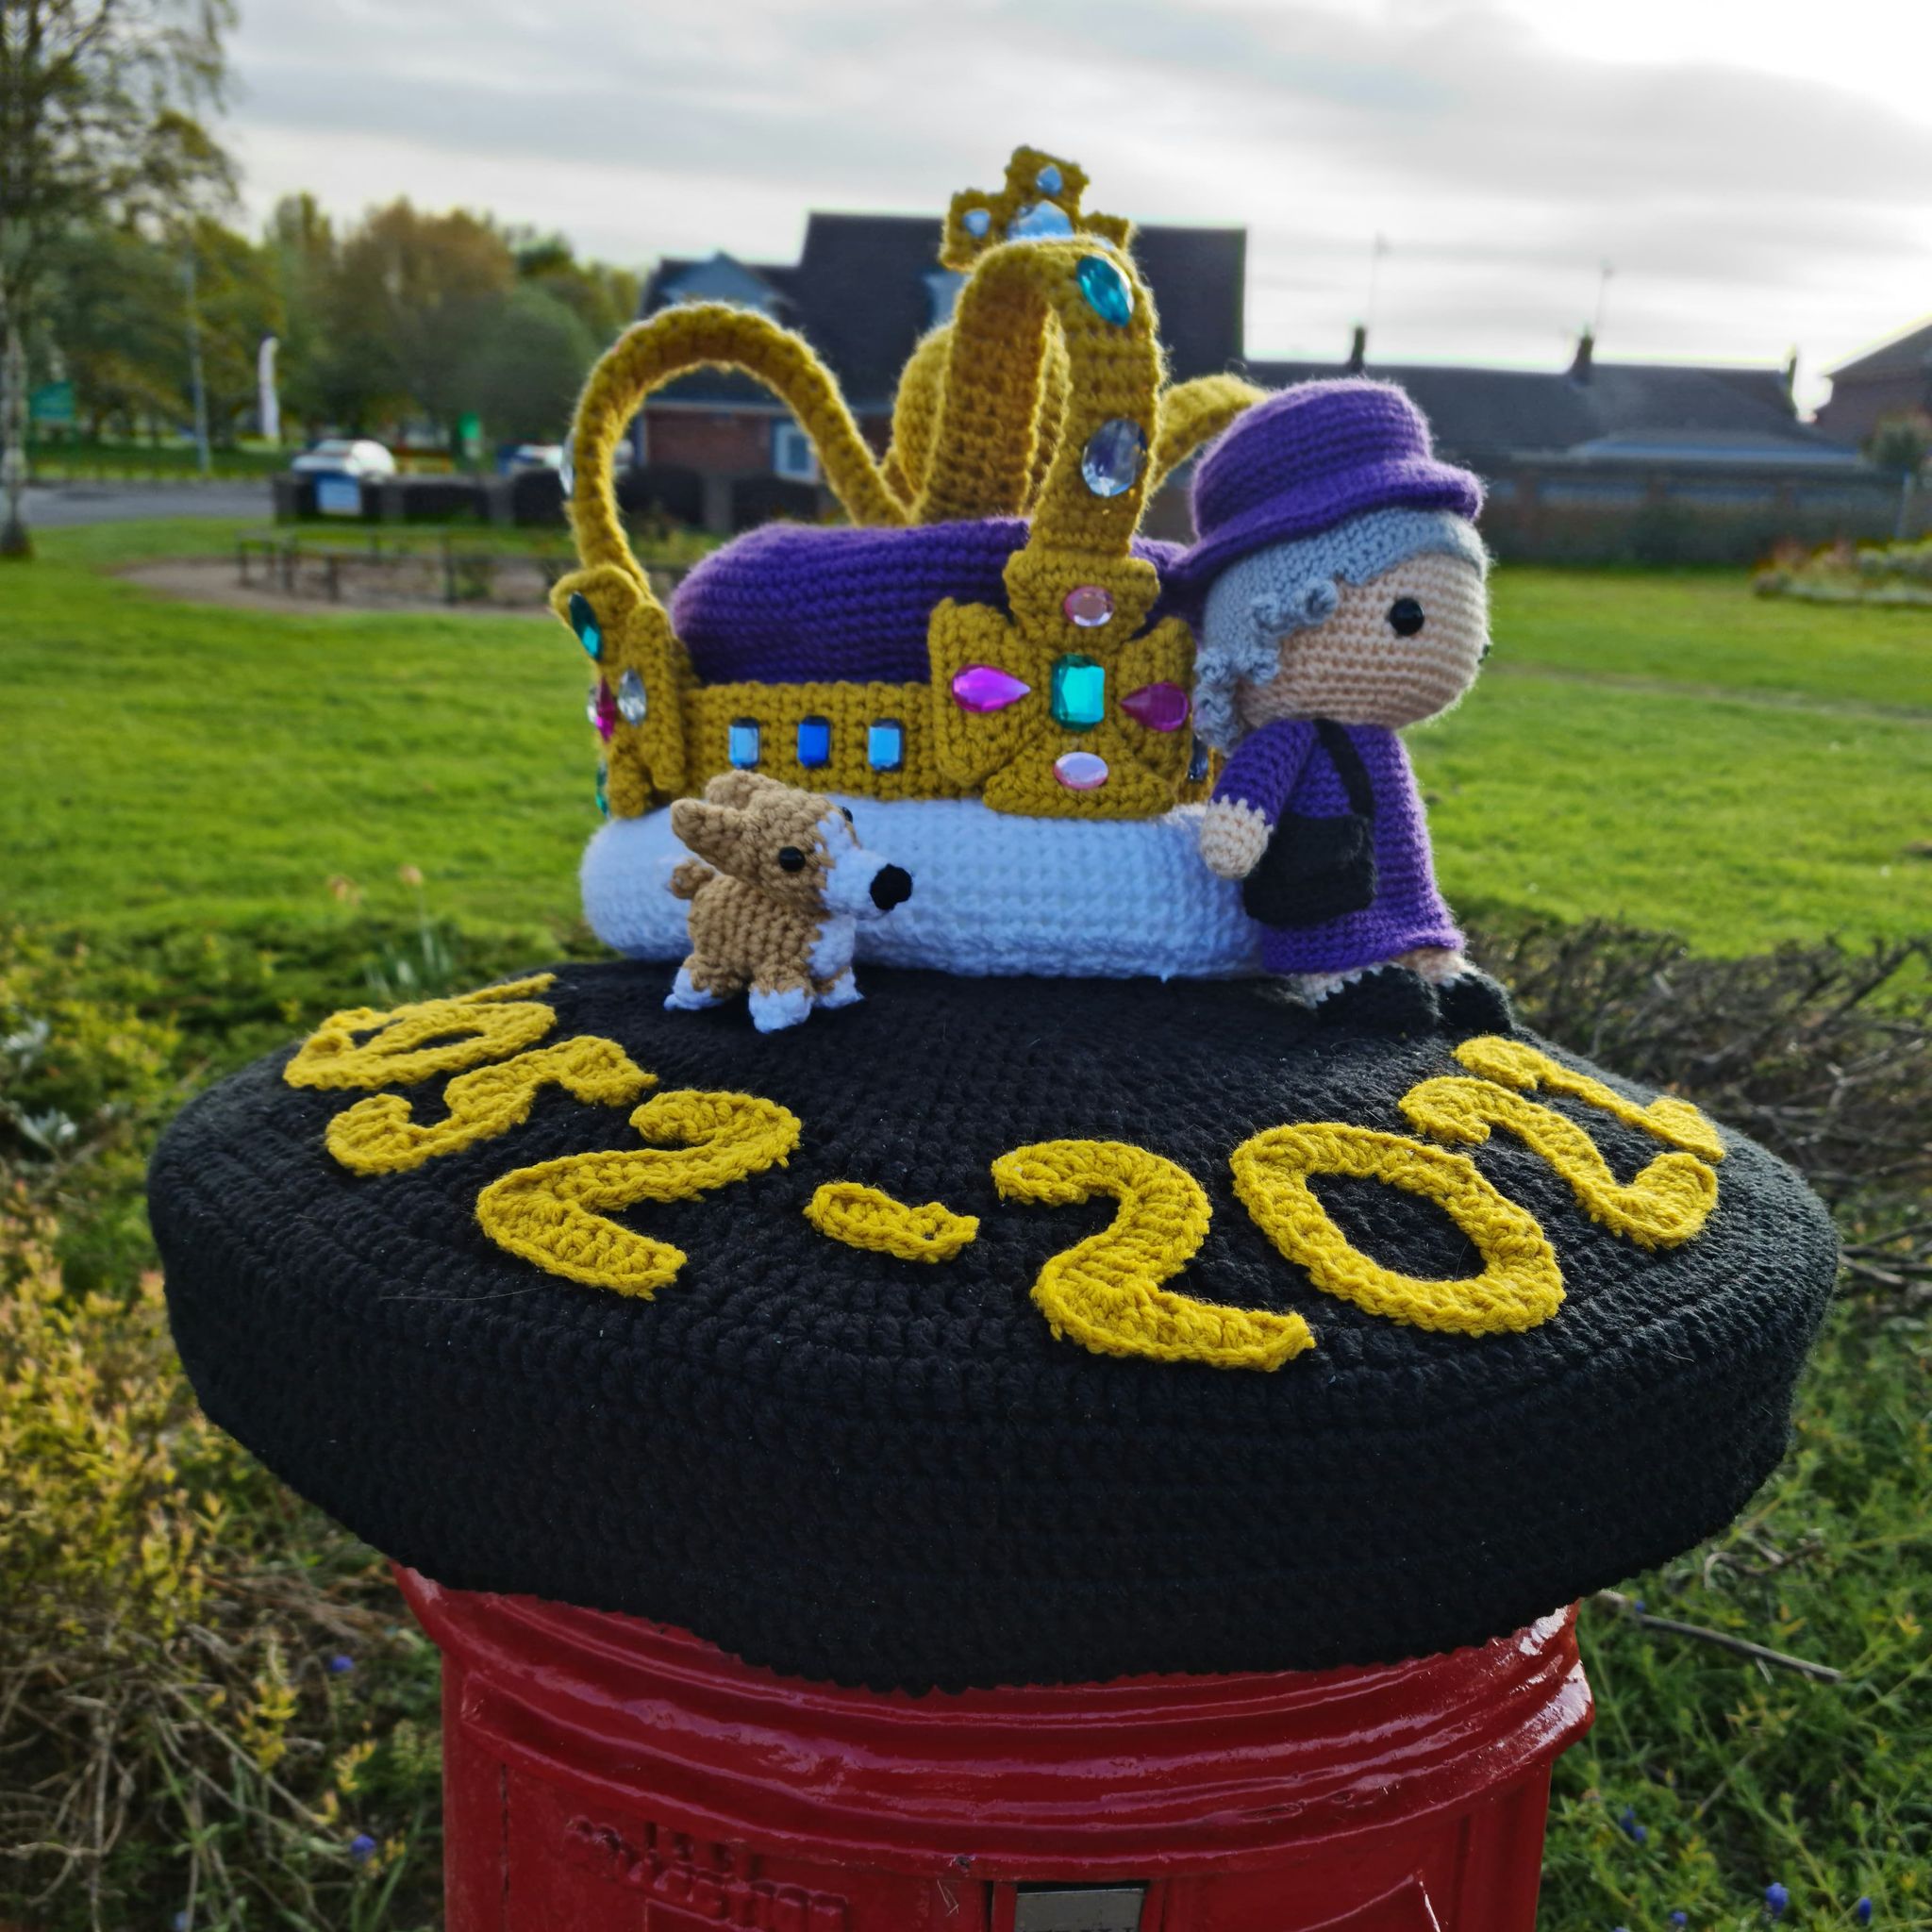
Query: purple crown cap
x,y
798,604
1306,460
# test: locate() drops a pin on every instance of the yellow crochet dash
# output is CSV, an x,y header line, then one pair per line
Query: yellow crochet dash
x,y
1044,398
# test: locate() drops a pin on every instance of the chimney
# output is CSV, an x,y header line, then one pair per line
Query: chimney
x,y
1579,364
1359,350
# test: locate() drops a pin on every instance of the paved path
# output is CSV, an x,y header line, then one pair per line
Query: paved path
x,y
49,508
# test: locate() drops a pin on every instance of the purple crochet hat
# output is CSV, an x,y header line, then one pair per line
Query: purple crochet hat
x,y
1305,459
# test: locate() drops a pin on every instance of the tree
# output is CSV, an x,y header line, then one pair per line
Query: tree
x,y
97,123
410,296
1901,444
528,366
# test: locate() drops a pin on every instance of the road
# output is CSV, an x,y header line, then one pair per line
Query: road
x,y
118,503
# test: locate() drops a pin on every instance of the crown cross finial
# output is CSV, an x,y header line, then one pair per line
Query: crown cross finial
x,y
1039,201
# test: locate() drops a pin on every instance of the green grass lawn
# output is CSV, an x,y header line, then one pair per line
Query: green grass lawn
x,y
1666,750
181,784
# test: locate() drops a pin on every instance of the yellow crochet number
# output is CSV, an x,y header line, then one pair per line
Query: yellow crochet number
x,y
1520,1284
863,1217
555,1214
379,1135
1105,1293
424,1038
1512,1063
1667,1203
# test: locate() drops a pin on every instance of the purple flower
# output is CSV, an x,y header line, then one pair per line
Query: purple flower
x,y
1680,1918
1775,1899
180,1921
1627,1824
1862,1911
361,1848
340,1664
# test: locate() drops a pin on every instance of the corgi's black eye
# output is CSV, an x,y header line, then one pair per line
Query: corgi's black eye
x,y
791,858
1405,617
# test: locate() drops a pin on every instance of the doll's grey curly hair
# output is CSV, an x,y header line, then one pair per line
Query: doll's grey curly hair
x,y
1272,593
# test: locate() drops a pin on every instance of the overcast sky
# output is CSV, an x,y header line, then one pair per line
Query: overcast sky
x,y
1759,172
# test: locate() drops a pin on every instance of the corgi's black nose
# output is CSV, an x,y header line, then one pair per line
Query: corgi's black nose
x,y
892,885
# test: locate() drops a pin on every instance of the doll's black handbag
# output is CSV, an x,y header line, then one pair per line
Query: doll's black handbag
x,y
1317,869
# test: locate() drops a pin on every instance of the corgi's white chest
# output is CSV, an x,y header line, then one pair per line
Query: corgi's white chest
x,y
831,952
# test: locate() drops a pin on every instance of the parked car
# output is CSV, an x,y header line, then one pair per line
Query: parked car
x,y
532,456
346,456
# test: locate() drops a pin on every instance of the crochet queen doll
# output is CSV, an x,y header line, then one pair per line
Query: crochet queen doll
x,y
1339,584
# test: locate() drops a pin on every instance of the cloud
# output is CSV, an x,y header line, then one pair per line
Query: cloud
x,y
1740,207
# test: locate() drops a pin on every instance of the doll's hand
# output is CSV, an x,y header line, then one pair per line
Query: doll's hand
x,y
1233,838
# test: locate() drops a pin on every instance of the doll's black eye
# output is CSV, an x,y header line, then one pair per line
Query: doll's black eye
x,y
791,858
847,810
1405,617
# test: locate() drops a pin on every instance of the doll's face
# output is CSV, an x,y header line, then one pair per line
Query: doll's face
x,y
1397,649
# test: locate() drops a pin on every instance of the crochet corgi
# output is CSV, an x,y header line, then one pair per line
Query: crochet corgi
x,y
776,908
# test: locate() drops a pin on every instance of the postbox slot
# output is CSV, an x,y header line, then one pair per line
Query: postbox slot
x,y
1079,1907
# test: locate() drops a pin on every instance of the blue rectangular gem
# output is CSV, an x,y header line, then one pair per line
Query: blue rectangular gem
x,y
814,741
741,746
885,745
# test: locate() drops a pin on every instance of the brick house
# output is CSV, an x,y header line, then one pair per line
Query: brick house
x,y
1577,458
719,449
1892,380
1712,461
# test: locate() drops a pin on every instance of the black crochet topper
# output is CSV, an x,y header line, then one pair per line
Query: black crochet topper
x,y
1045,1331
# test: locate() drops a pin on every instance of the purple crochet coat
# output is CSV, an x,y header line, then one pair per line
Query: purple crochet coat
x,y
1282,768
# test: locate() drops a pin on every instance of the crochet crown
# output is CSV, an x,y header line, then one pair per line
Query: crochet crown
x,y
983,629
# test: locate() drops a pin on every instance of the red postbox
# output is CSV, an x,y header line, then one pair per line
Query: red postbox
x,y
608,1775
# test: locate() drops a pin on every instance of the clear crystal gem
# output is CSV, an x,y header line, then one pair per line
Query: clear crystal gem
x,y
1080,771
1039,221
885,745
583,620
976,221
1112,458
741,744
633,702
567,469
987,687
1079,693
1106,290
1159,706
1088,606
814,742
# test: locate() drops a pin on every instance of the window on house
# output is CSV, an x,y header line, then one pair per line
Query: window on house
x,y
793,455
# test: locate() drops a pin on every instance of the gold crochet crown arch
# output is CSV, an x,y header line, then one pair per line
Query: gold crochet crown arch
x,y
1043,397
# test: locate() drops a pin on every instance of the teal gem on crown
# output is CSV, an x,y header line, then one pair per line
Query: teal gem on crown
x,y
583,620
1078,698
1106,290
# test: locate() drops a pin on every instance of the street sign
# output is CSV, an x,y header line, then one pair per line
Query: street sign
x,y
51,404
338,496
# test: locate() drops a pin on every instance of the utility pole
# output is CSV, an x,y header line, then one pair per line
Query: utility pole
x,y
203,460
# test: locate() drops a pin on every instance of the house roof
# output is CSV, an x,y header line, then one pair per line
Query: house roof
x,y
858,294
1901,356
1485,414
